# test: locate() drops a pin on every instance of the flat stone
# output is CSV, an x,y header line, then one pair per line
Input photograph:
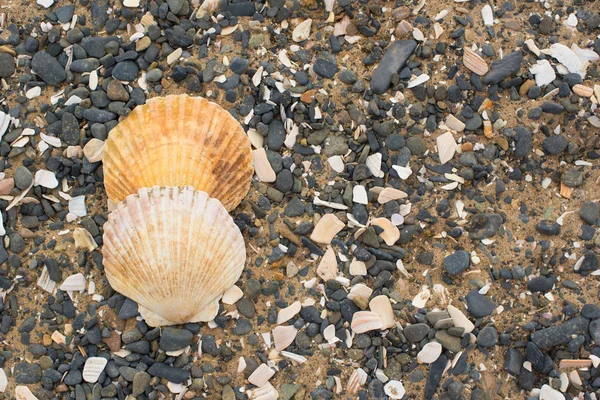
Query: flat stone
x,y
392,62
456,263
174,339
48,68
500,69
559,334
416,332
479,305
175,375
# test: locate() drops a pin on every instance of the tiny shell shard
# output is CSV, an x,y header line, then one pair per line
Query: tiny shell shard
x,y
93,368
283,336
327,268
285,314
262,167
261,375
381,306
232,295
328,226
365,321
390,233
356,380
446,147
302,31
474,62
265,392
389,194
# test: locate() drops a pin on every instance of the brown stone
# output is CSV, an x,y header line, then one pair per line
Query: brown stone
x,y
468,146
524,89
6,186
503,143
116,91
113,342
308,96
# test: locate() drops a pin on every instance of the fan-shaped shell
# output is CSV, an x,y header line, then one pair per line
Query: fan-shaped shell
x,y
179,140
174,251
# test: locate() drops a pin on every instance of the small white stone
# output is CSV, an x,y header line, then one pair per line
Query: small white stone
x,y
131,3
33,92
572,20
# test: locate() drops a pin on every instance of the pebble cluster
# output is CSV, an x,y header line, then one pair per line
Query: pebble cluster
x,y
423,221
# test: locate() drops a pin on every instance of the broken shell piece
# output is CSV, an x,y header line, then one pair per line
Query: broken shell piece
x,y
283,336
460,320
285,314
429,353
487,129
93,368
327,268
179,140
77,206
24,393
262,166
487,14
261,375
567,58
394,389
382,306
374,164
565,191
474,62
265,392
389,194
232,295
174,251
403,29
328,226
365,321
359,195
45,179
302,31
84,239
74,283
422,297
571,364
357,268
390,234
582,90
446,146
360,290
94,150
356,380
336,163
454,123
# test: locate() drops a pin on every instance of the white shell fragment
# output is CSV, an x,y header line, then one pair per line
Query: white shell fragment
x,y
394,389
429,353
84,240
390,233
389,194
262,167
327,268
568,58
3,381
382,306
77,206
544,73
283,336
24,393
74,283
365,321
357,268
302,31
356,380
94,150
45,3
359,195
374,164
446,147
487,15
328,226
232,295
265,392
285,314
454,123
460,320
336,163
548,393
93,368
45,179
261,375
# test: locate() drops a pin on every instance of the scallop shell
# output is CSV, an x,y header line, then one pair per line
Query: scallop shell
x,y
179,141
174,251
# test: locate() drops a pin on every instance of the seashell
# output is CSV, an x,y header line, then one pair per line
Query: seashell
x,y
94,150
365,321
24,393
74,283
51,140
283,336
262,166
294,357
566,191
487,14
454,123
460,320
381,306
549,393
327,268
374,164
265,392
422,297
543,71
583,91
45,179
357,268
232,295
336,163
179,141
474,62
4,122
84,239
3,381
93,368
568,363
356,380
77,206
394,389
328,226
487,129
360,290
261,375
302,31
285,314
389,194
568,58
403,172
390,233
417,81
174,251
429,353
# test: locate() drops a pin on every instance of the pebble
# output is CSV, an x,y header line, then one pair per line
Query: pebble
x,y
416,332
456,263
478,304
393,60
27,373
555,144
561,333
174,339
487,337
23,178
175,375
589,212
7,65
125,71
48,68
325,68
501,69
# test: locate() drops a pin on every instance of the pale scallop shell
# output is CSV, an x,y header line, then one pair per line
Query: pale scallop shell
x,y
174,251
179,140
